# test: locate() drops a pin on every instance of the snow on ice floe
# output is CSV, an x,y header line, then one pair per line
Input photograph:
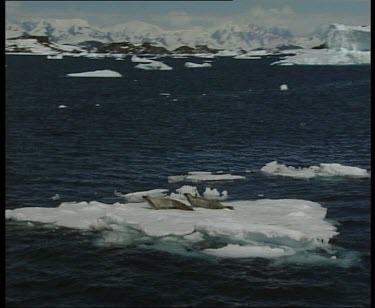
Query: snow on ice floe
x,y
197,65
323,170
137,196
154,65
99,73
262,228
198,176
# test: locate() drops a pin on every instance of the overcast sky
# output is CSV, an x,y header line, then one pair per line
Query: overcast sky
x,y
300,16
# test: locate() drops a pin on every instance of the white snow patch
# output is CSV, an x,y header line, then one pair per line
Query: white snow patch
x,y
136,197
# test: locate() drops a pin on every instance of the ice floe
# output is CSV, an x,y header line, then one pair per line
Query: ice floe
x,y
198,176
62,106
154,65
262,228
323,170
246,57
98,73
55,57
136,59
197,65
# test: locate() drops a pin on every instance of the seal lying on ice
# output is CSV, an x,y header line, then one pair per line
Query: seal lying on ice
x,y
206,203
166,204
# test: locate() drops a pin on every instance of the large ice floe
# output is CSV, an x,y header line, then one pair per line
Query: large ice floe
x,y
323,170
197,65
199,176
99,73
345,45
261,228
154,65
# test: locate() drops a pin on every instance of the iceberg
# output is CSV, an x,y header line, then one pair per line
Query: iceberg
x,y
140,60
346,45
197,65
284,87
154,65
261,228
99,73
323,170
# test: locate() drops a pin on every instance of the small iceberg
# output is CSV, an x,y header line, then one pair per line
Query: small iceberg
x,y
154,65
199,176
99,73
323,170
136,59
62,106
54,57
284,87
197,65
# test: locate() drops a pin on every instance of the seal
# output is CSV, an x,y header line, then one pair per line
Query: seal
x,y
206,203
166,204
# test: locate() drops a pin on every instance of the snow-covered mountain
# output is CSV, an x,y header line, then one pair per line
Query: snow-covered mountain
x,y
228,36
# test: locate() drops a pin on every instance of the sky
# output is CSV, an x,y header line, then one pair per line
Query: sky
x,y
300,16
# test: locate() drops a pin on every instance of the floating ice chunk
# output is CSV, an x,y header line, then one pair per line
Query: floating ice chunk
x,y
246,57
164,94
62,106
197,65
99,73
263,227
324,170
55,197
55,57
154,65
136,197
237,251
136,59
284,87
214,194
97,105
198,176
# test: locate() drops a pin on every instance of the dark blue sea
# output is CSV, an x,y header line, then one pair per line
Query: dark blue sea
x,y
230,117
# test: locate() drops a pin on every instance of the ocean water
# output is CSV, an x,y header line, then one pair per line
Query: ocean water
x,y
231,117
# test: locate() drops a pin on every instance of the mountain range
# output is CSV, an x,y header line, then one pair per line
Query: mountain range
x,y
230,36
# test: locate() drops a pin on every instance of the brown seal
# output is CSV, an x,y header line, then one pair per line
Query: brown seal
x,y
206,203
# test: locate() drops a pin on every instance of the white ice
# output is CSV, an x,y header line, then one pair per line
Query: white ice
x,y
265,228
55,57
136,59
197,65
154,65
323,170
284,87
62,106
246,57
198,176
136,197
99,73
215,194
